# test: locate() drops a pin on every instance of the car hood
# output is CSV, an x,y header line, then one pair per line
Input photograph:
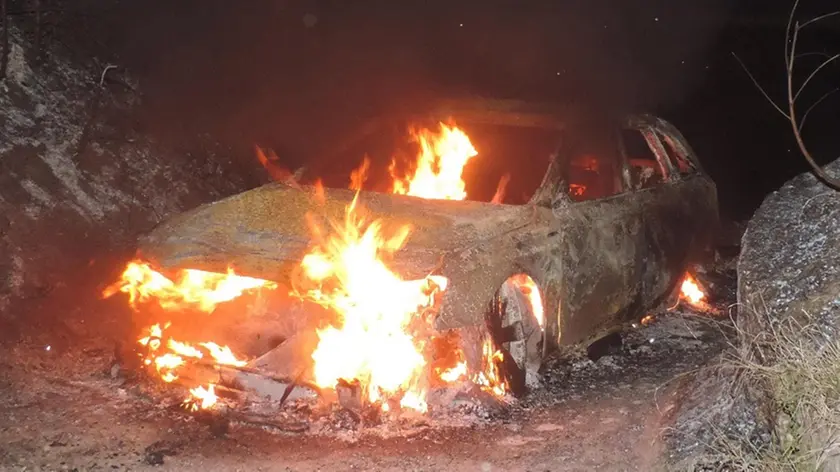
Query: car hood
x,y
264,232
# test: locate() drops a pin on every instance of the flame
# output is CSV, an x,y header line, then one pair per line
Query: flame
x,y
372,341
192,288
376,340
693,294
455,373
168,357
201,398
529,288
359,176
490,377
439,165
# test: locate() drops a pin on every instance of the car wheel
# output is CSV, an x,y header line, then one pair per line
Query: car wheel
x,y
517,332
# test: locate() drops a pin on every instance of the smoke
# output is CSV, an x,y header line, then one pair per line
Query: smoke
x,y
289,74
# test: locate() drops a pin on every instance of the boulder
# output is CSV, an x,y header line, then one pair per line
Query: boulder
x,y
788,303
790,258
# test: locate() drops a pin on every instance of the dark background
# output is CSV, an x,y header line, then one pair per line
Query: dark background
x,y
292,75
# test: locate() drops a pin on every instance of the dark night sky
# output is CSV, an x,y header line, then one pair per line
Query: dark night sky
x,y
293,74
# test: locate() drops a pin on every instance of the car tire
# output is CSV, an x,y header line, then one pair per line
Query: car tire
x,y
516,331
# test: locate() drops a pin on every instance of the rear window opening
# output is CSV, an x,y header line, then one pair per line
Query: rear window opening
x,y
514,157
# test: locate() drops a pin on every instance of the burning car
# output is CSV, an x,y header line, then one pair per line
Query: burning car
x,y
622,209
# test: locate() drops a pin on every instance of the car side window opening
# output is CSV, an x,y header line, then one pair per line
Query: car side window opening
x,y
676,154
592,167
645,169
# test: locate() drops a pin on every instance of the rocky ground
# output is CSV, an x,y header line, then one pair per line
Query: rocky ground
x,y
62,409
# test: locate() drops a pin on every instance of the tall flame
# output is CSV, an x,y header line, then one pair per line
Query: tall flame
x,y
372,342
377,340
440,164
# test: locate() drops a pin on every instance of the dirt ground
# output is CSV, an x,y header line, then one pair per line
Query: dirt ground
x,y
61,408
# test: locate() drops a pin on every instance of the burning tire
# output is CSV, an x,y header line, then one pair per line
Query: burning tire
x,y
516,330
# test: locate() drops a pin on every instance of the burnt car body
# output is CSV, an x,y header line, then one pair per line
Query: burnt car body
x,y
607,236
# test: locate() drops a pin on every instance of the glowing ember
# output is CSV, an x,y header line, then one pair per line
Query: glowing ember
x,y
648,319
440,164
192,288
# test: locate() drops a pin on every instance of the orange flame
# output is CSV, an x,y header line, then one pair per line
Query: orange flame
x,y
192,288
455,373
201,398
693,294
440,164
376,340
360,175
490,377
529,288
372,341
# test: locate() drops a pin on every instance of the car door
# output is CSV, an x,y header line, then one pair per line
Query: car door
x,y
602,225
669,197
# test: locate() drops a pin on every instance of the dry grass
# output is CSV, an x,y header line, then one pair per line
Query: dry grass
x,y
800,367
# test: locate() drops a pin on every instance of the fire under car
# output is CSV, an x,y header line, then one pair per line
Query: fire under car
x,y
621,208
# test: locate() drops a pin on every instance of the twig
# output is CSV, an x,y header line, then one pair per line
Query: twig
x,y
813,105
791,37
96,100
291,387
105,71
759,87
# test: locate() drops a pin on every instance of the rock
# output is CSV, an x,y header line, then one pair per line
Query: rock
x,y
74,182
789,283
788,275
790,258
713,410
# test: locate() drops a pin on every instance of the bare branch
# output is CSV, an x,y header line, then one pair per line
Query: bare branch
x,y
814,105
813,53
825,63
790,56
819,18
759,87
789,50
